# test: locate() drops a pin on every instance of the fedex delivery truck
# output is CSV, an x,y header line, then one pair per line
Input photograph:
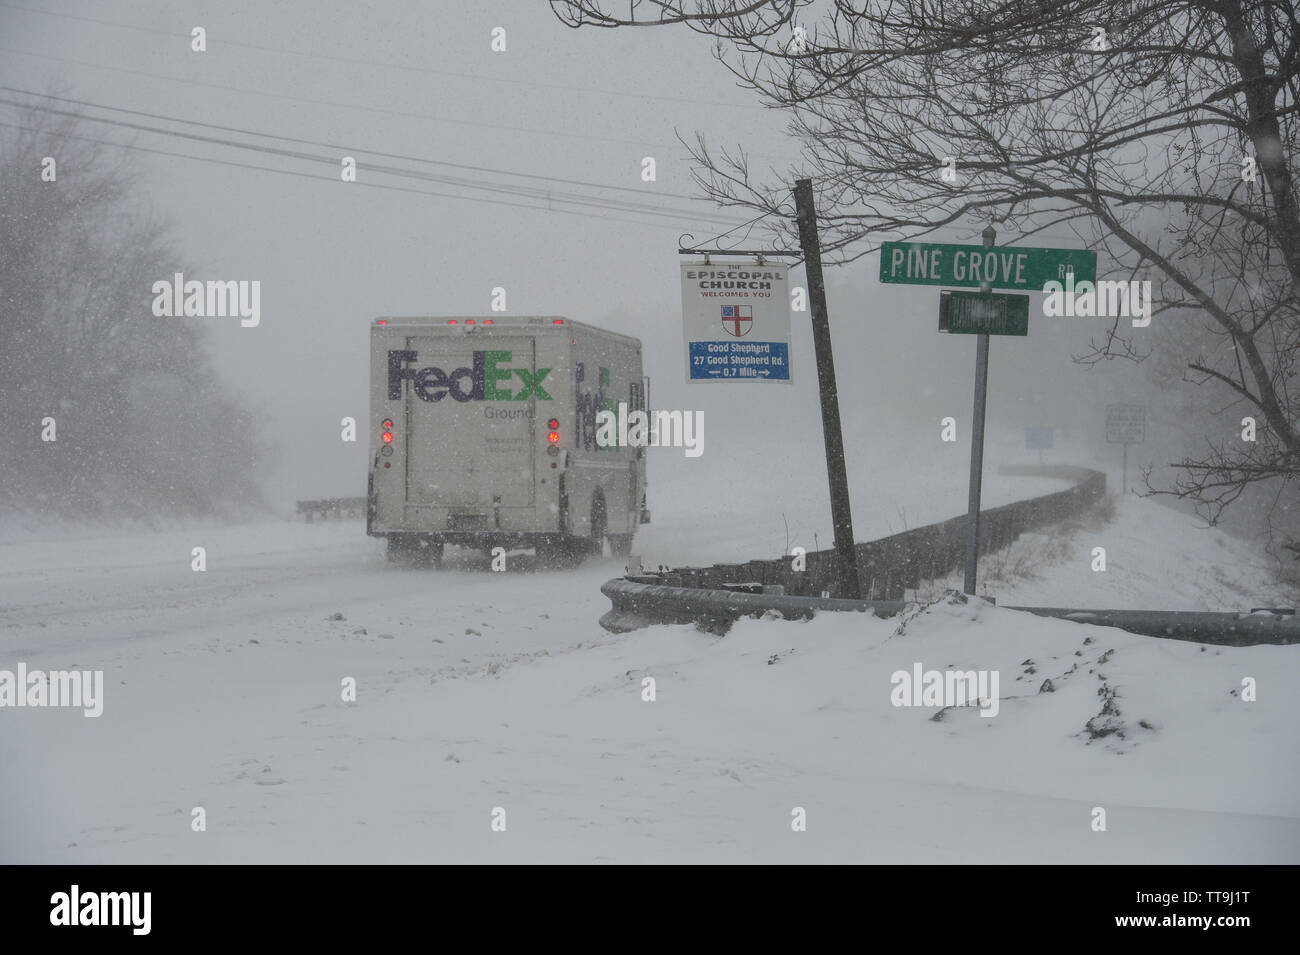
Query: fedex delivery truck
x,y
483,433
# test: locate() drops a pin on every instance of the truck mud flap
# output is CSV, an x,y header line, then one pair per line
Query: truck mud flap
x,y
372,504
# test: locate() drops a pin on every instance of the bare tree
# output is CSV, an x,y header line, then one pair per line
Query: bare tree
x,y
142,425
1160,133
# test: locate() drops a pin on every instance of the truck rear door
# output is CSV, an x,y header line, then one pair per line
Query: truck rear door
x,y
471,414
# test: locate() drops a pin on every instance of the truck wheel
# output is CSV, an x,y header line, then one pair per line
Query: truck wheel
x,y
598,523
411,549
399,548
429,553
620,545
562,553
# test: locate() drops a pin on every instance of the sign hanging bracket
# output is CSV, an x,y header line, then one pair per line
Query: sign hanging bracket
x,y
712,247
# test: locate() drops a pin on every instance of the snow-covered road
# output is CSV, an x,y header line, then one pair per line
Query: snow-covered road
x,y
480,691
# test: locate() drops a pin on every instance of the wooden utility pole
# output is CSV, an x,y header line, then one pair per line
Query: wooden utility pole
x,y
846,554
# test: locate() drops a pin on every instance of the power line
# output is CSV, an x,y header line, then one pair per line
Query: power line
x,y
347,149
518,191
405,114
333,180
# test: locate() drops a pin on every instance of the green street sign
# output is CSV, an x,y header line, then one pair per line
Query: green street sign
x,y
970,266
978,313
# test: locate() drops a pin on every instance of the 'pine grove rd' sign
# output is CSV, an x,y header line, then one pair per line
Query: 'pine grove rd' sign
x,y
970,266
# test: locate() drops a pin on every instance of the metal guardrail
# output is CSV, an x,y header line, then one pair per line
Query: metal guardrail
x,y
715,597
337,507
892,564
1222,629
642,602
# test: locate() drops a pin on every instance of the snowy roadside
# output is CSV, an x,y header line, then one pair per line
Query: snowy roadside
x,y
743,730
478,691
1156,558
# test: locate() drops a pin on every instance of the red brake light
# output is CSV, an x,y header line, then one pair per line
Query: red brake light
x,y
469,321
382,321
451,321
553,437
553,424
487,321
388,424
388,437
557,321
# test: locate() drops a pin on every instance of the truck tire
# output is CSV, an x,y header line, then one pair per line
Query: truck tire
x,y
620,545
399,548
561,553
413,549
429,553
596,543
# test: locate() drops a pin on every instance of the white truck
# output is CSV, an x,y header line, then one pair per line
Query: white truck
x,y
484,434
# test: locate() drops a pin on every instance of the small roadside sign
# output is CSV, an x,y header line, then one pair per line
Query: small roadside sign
x,y
736,319
977,313
1126,424
1038,439
971,266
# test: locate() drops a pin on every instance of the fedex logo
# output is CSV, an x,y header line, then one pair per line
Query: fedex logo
x,y
486,380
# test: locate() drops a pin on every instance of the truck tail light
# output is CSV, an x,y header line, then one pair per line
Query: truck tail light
x,y
553,436
388,430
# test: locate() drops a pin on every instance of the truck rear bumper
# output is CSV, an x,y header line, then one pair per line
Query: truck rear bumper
x,y
459,524
482,540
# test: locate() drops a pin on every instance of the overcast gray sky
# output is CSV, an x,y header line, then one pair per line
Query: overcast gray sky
x,y
420,80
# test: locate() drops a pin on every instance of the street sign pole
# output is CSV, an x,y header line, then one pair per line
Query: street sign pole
x,y
976,462
1125,425
977,447
984,267
841,515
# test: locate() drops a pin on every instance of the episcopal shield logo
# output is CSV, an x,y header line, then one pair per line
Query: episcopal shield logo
x,y
737,320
